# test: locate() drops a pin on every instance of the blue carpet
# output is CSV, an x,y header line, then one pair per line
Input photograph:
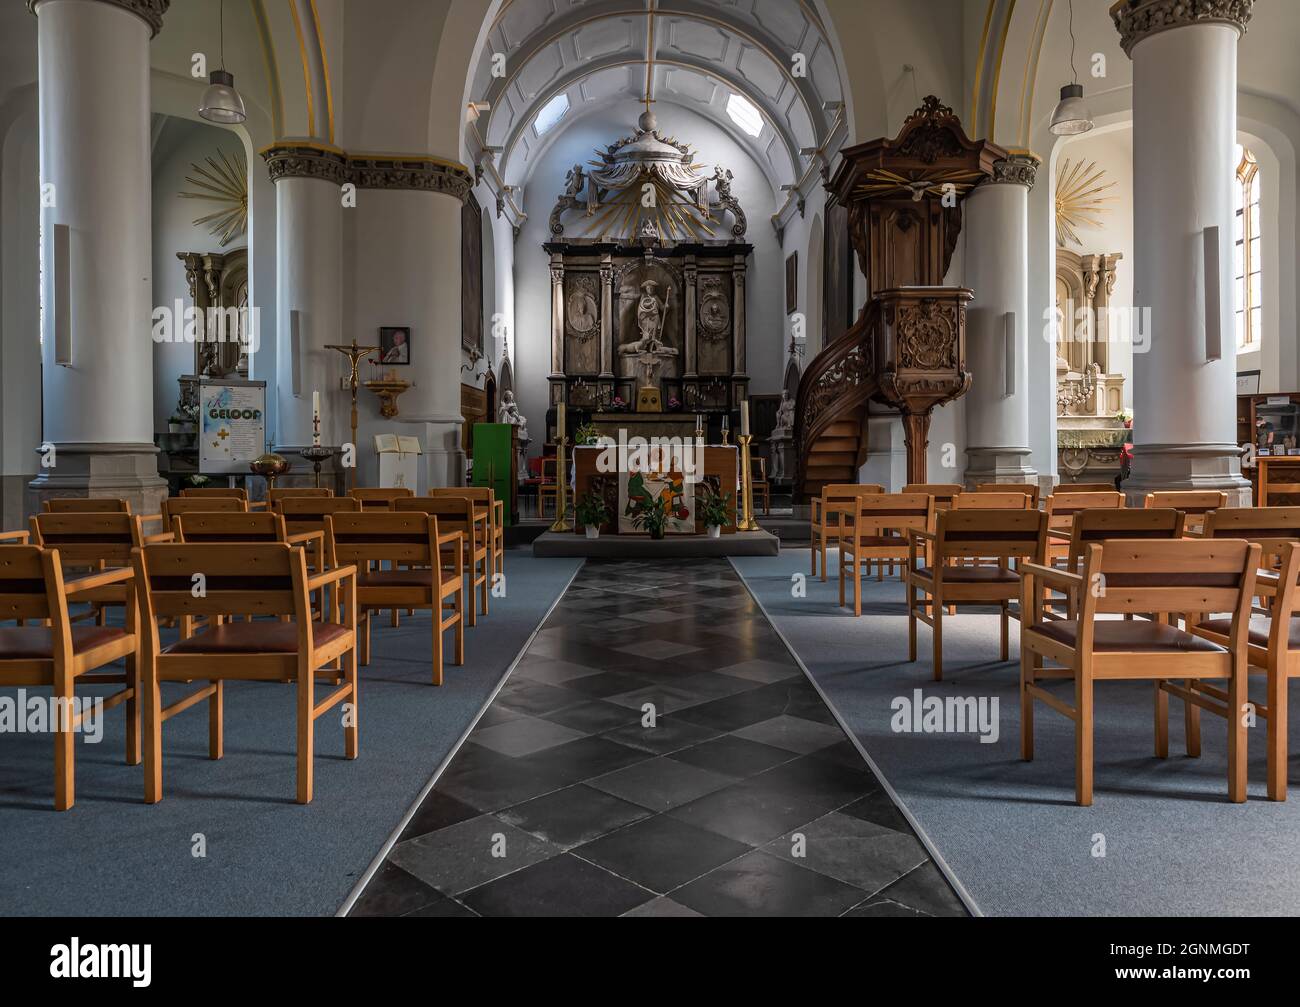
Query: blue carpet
x,y
1009,830
113,855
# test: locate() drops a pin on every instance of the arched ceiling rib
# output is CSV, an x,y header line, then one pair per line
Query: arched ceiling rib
x,y
703,50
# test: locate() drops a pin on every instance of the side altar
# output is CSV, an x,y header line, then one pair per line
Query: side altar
x,y
648,269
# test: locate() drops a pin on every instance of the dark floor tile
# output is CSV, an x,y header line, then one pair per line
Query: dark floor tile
x,y
442,906
828,785
857,852
733,756
734,712
393,892
669,734
594,716
883,907
585,758
469,854
536,698
574,815
761,885
437,811
748,814
926,890
661,906
660,784
661,853
492,787
561,886
607,683
877,807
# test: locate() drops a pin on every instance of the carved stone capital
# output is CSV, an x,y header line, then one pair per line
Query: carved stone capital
x,y
305,160
1139,19
1017,169
423,174
150,11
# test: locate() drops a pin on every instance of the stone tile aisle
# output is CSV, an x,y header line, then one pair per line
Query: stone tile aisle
x,y
743,799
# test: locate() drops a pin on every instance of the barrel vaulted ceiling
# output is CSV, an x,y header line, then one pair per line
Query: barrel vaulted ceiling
x,y
702,51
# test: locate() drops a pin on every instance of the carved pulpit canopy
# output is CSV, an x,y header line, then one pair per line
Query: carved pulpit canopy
x,y
606,200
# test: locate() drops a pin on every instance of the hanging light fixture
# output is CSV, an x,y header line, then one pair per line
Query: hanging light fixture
x,y
221,102
1071,115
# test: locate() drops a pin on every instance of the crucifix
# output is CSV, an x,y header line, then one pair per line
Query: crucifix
x,y
354,353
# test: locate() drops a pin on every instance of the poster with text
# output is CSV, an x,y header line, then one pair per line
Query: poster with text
x,y
232,426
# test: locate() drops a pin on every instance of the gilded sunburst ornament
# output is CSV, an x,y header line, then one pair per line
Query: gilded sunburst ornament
x,y
1079,202
225,182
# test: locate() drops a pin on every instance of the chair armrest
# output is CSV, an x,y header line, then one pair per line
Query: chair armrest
x,y
302,538
20,537
94,581
922,533
447,538
1062,579
162,536
339,573
254,505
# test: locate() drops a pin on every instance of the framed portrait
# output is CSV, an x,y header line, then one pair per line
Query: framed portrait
x,y
394,345
1248,382
792,283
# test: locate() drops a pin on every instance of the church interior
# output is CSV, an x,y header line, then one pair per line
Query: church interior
x,y
649,457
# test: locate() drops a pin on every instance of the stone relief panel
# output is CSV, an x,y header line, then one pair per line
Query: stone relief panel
x,y
582,323
713,323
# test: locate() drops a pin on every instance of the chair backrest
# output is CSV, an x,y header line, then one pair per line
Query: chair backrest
x,y
410,537
548,469
1187,501
454,513
1098,525
88,539
31,583
882,514
1177,575
1061,507
980,500
991,534
1271,528
308,513
284,492
847,492
86,505
215,491
479,494
1086,488
379,497
257,578
173,506
758,467
942,492
1029,489
212,526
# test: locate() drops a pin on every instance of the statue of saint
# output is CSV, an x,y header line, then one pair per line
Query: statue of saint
x,y
649,350
784,416
509,413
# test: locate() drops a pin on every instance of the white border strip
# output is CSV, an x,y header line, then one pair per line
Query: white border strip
x,y
391,841
965,896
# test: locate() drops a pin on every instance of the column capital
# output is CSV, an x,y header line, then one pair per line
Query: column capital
x,y
299,159
1139,19
1019,168
424,174
150,11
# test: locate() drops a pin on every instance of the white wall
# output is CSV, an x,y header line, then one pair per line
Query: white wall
x,y
765,289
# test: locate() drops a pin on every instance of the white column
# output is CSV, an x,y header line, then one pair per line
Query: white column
x,y
996,224
93,67
1184,128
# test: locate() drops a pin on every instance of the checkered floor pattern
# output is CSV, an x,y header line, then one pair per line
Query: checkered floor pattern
x,y
657,752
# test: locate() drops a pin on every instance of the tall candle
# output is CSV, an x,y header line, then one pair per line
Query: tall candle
x,y
744,417
726,421
315,419
559,421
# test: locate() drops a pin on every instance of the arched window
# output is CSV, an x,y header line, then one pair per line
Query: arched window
x,y
1246,252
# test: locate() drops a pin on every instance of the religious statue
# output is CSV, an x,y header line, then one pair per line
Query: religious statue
x,y
784,416
649,349
509,413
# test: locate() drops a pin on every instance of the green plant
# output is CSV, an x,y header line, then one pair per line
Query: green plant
x,y
715,508
653,515
586,434
591,511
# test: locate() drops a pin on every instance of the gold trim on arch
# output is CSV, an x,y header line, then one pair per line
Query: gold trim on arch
x,y
272,67
325,69
979,68
997,75
306,72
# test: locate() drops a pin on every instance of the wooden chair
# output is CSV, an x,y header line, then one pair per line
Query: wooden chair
x,y
1061,509
943,493
1099,525
1029,489
1194,503
304,515
549,487
982,500
485,500
1138,577
174,506
63,656
879,534
1271,528
997,536
15,537
1272,648
379,497
88,543
85,505
758,473
1086,488
284,492
413,540
238,492
457,513
828,512
267,579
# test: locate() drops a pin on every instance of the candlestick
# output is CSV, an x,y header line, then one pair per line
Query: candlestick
x,y
315,419
559,422
744,417
746,520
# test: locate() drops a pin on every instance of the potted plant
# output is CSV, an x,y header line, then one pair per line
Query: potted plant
x,y
617,405
591,513
715,511
586,435
652,516
674,404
